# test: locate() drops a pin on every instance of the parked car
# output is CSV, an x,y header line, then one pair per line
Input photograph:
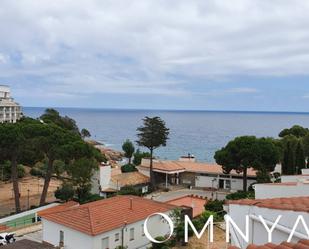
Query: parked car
x,y
6,238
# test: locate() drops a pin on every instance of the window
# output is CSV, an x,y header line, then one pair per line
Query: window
x,y
116,237
143,234
61,237
131,233
105,243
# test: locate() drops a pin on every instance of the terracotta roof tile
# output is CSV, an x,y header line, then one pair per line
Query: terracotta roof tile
x,y
197,203
302,244
101,216
130,178
299,204
195,167
59,208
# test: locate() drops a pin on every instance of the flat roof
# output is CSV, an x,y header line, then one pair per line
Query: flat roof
x,y
197,203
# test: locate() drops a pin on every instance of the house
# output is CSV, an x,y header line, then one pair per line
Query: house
x,y
302,244
108,180
196,204
108,223
290,186
10,111
195,174
289,209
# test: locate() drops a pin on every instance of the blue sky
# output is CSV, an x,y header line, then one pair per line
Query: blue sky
x,y
157,54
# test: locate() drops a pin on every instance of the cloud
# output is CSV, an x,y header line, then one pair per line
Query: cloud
x,y
149,47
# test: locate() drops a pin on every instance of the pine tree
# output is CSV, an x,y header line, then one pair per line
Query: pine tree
x,y
288,164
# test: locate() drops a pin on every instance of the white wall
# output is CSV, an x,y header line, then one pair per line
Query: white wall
x,y
305,171
72,239
105,176
207,182
263,191
77,240
258,234
293,178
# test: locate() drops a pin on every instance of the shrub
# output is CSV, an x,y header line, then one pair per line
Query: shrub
x,y
240,195
128,168
129,190
65,193
138,156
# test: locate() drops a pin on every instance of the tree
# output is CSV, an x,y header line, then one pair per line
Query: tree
x,y
128,168
305,142
81,172
288,163
128,149
85,133
152,135
52,116
297,131
248,152
12,142
138,156
65,193
52,139
300,161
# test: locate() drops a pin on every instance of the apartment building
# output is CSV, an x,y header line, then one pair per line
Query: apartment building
x,y
10,111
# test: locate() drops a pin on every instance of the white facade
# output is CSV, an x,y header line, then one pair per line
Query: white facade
x,y
133,235
258,233
219,182
10,111
101,178
264,191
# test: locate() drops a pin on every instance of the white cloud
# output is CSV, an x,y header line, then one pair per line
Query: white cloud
x,y
77,46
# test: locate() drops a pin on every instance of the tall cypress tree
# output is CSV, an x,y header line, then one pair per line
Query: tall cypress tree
x,y
300,161
288,164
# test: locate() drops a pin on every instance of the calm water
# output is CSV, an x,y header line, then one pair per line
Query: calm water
x,y
197,132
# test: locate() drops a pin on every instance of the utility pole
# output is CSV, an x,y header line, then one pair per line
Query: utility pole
x,y
28,199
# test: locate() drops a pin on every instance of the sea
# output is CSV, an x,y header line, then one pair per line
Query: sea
x,y
200,133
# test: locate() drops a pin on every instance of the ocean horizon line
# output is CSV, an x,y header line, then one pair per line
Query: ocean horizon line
x,y
170,110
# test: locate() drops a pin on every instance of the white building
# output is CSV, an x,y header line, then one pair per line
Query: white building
x,y
269,209
10,111
196,174
290,186
112,222
108,180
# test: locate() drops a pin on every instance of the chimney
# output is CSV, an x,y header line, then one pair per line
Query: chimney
x,y
131,203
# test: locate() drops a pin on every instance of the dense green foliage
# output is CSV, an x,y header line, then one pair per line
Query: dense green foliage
x,y
297,131
128,148
128,168
139,155
240,195
85,133
65,193
53,145
152,134
248,152
6,171
294,145
129,190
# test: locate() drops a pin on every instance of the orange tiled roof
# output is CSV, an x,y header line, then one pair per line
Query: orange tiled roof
x,y
298,204
302,244
195,167
130,179
101,216
197,203
59,208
